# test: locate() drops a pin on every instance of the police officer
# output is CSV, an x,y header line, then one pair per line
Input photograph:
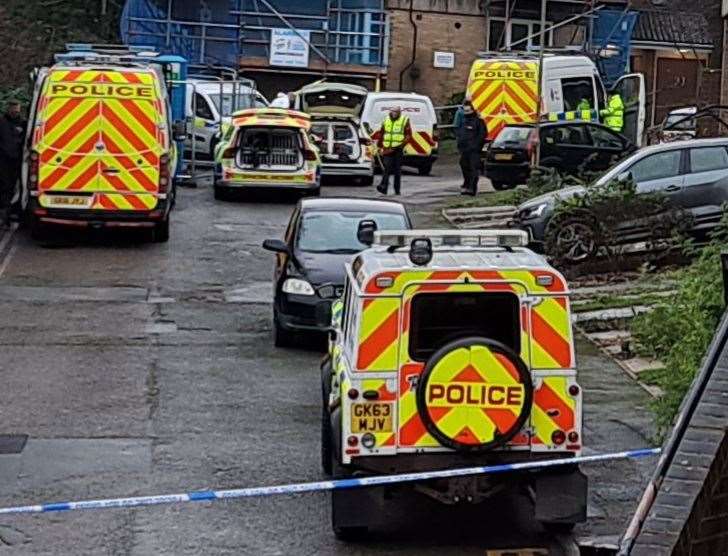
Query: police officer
x,y
394,134
613,114
12,134
471,136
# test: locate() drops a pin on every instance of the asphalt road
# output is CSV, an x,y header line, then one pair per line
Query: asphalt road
x,y
138,368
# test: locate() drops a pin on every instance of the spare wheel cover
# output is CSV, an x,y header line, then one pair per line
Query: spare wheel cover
x,y
474,394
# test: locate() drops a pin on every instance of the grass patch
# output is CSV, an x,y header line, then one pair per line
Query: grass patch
x,y
511,197
618,301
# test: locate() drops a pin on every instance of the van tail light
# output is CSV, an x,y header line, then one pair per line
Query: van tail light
x,y
164,175
230,152
34,171
531,144
309,154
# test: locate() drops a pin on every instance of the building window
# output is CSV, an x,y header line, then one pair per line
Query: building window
x,y
517,30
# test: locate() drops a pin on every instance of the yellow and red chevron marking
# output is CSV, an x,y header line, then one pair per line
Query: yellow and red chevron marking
x,y
379,335
420,144
504,92
474,394
551,341
553,409
128,127
272,117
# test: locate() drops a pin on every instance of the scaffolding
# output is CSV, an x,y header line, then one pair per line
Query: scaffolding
x,y
222,32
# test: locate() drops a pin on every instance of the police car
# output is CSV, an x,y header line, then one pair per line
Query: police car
x,y
452,349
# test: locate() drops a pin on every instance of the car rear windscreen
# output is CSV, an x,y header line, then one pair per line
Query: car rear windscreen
x,y
417,111
513,135
436,319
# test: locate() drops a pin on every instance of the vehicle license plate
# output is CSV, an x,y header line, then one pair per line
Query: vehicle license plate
x,y
504,157
371,417
72,201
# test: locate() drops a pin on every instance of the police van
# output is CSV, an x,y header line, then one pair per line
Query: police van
x,y
101,146
504,90
452,349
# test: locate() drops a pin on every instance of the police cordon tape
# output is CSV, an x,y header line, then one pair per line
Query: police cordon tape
x,y
320,486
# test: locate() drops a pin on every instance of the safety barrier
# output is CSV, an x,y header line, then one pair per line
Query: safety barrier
x,y
320,486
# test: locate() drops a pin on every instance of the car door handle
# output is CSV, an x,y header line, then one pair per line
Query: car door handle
x,y
672,188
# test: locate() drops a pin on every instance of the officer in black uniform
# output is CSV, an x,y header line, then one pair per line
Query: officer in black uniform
x,y
12,135
471,135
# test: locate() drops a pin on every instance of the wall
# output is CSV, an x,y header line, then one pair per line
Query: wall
x,y
457,26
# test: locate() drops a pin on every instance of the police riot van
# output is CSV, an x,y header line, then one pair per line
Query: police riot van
x,y
452,349
101,148
421,152
504,90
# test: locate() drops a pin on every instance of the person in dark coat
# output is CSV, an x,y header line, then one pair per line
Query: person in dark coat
x,y
471,135
12,135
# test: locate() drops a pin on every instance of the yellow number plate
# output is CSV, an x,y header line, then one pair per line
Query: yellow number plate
x,y
62,201
371,417
503,156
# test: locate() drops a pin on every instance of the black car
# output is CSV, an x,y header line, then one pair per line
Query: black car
x,y
321,237
565,146
692,175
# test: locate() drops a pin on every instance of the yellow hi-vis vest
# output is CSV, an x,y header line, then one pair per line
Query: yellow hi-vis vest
x,y
393,132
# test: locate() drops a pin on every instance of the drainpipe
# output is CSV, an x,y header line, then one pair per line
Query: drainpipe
x,y
414,43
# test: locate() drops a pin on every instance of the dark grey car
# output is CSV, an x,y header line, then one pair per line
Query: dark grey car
x,y
692,174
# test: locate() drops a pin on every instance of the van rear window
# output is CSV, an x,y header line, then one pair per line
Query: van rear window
x,y
416,110
513,135
438,319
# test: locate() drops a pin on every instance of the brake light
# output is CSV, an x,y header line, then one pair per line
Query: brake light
x,y
230,152
33,171
558,437
164,173
309,155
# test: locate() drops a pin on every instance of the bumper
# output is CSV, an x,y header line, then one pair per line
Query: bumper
x,y
298,312
100,218
301,186
419,159
344,169
508,173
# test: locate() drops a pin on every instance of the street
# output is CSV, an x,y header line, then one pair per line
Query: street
x,y
139,368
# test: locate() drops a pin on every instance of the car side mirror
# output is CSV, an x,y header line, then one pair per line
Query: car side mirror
x,y
367,127
179,130
624,176
276,245
365,232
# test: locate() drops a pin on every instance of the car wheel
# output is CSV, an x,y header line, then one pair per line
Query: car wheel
x,y
572,239
220,193
282,338
38,230
425,169
366,181
501,186
327,449
350,534
161,231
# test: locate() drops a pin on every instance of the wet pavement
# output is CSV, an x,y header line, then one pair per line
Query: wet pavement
x,y
137,368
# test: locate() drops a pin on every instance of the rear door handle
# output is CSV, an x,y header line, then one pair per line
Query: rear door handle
x,y
110,170
672,188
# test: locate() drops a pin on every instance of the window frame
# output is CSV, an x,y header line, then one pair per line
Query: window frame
x,y
508,23
690,159
682,169
200,101
573,79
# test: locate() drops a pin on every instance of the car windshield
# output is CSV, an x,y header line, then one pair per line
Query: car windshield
x,y
512,135
335,232
687,125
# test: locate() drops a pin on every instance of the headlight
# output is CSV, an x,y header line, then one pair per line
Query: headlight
x,y
533,212
298,287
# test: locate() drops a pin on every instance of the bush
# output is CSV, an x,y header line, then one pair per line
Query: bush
x,y
680,329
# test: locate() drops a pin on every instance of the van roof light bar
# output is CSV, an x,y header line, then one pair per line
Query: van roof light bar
x,y
453,238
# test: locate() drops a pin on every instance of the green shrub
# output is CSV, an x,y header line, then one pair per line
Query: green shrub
x,y
679,330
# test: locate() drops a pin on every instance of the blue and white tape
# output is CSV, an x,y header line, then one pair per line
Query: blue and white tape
x,y
340,484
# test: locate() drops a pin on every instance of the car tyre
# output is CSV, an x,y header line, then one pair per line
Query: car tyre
x,y
161,231
282,338
571,239
501,185
221,193
38,230
327,449
350,534
366,181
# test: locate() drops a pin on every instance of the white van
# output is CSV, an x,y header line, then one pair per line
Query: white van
x,y
421,153
210,105
504,90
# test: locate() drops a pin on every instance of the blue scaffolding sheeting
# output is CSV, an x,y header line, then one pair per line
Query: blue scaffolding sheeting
x,y
220,32
610,41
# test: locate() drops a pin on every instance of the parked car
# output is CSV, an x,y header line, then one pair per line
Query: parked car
x,y
322,235
342,141
421,152
267,148
692,174
565,146
678,126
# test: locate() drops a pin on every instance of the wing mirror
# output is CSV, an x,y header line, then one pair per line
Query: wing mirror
x,y
179,130
276,245
365,232
624,176
367,127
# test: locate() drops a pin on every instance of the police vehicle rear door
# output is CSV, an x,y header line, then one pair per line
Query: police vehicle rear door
x,y
631,88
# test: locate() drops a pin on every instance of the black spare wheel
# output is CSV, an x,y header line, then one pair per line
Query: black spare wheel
x,y
474,394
